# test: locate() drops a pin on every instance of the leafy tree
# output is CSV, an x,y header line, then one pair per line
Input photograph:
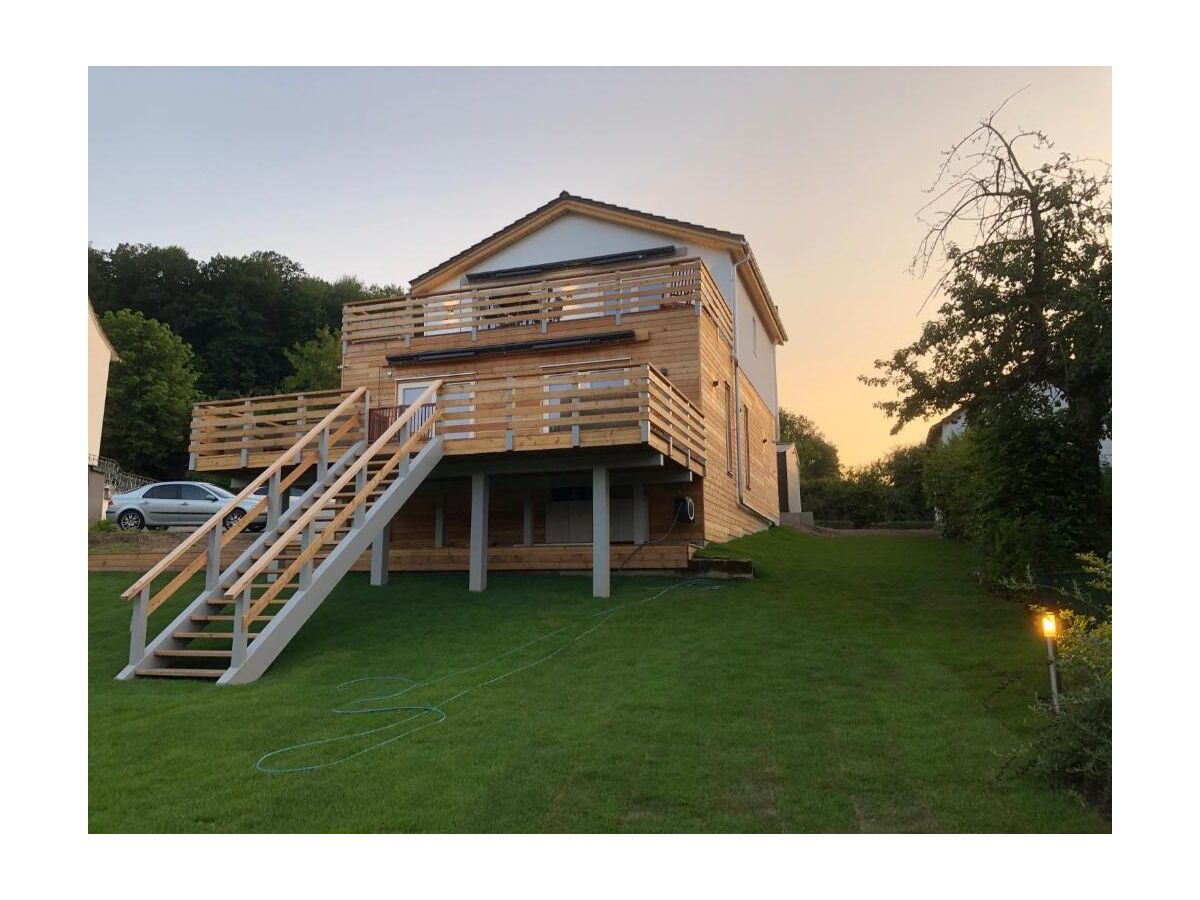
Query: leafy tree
x,y
239,313
317,363
904,470
817,455
150,395
1026,270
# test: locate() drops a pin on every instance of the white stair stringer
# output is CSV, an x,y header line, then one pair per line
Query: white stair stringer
x,y
290,618
166,639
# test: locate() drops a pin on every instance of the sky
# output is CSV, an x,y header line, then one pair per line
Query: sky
x,y
383,173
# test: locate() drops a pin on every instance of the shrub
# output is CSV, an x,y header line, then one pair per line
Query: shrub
x,y
904,525
1074,749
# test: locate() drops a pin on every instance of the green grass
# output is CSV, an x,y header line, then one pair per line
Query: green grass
x,y
859,684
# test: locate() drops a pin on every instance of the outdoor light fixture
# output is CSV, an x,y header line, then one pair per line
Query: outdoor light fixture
x,y
1049,625
1050,632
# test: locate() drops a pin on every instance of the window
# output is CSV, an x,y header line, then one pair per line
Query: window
x,y
162,492
746,429
730,422
195,492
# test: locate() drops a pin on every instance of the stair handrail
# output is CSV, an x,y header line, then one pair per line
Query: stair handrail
x,y
191,540
302,522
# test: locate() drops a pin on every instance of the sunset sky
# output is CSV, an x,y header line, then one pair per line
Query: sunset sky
x,y
382,173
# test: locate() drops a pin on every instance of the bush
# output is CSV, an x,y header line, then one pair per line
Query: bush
x,y
904,525
1023,487
1075,747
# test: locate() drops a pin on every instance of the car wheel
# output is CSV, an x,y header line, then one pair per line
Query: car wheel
x,y
233,518
131,520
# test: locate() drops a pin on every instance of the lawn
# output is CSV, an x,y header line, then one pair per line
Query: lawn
x,y
858,684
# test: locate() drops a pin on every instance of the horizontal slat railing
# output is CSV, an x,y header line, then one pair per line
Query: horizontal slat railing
x,y
616,405
579,294
248,432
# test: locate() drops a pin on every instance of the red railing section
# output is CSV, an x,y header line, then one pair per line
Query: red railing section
x,y
382,418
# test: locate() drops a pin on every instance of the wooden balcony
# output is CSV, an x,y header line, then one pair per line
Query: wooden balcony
x,y
608,294
616,406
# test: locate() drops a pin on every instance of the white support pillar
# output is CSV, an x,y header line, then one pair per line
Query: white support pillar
x,y
379,556
527,523
641,514
212,569
600,532
477,579
274,501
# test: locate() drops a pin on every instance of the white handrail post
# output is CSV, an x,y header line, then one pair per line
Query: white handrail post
x,y
306,571
212,572
247,428
273,504
323,454
240,639
137,626
360,511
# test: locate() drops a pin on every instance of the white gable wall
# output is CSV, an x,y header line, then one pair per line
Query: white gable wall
x,y
572,236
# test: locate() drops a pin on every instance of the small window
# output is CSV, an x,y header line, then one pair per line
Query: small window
x,y
730,423
162,492
194,492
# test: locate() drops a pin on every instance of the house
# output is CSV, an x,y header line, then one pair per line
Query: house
x,y
588,388
100,355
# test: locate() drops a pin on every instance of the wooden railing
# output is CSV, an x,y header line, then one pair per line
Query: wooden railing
x,y
578,294
251,432
603,406
303,529
342,423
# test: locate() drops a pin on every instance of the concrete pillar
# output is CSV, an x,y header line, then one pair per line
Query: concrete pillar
x,y
641,514
600,532
439,522
477,579
379,556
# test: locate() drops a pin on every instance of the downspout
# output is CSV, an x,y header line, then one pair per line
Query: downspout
x,y
737,386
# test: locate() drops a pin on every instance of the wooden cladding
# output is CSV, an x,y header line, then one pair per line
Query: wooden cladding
x,y
253,432
582,294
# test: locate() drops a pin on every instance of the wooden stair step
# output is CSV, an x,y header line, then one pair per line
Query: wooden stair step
x,y
218,601
206,618
165,672
191,654
209,635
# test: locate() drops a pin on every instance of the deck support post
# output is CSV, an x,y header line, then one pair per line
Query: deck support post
x,y
212,570
439,522
240,639
600,532
477,578
137,626
379,556
641,514
527,522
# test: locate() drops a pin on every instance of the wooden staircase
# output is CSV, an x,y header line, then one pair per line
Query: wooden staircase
x,y
248,611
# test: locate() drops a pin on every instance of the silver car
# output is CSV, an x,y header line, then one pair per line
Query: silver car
x,y
168,503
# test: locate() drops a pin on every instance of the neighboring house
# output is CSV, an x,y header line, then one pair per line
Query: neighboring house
x,y
590,387
100,354
955,423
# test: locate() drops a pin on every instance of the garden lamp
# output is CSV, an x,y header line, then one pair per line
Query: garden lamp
x,y
1050,633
